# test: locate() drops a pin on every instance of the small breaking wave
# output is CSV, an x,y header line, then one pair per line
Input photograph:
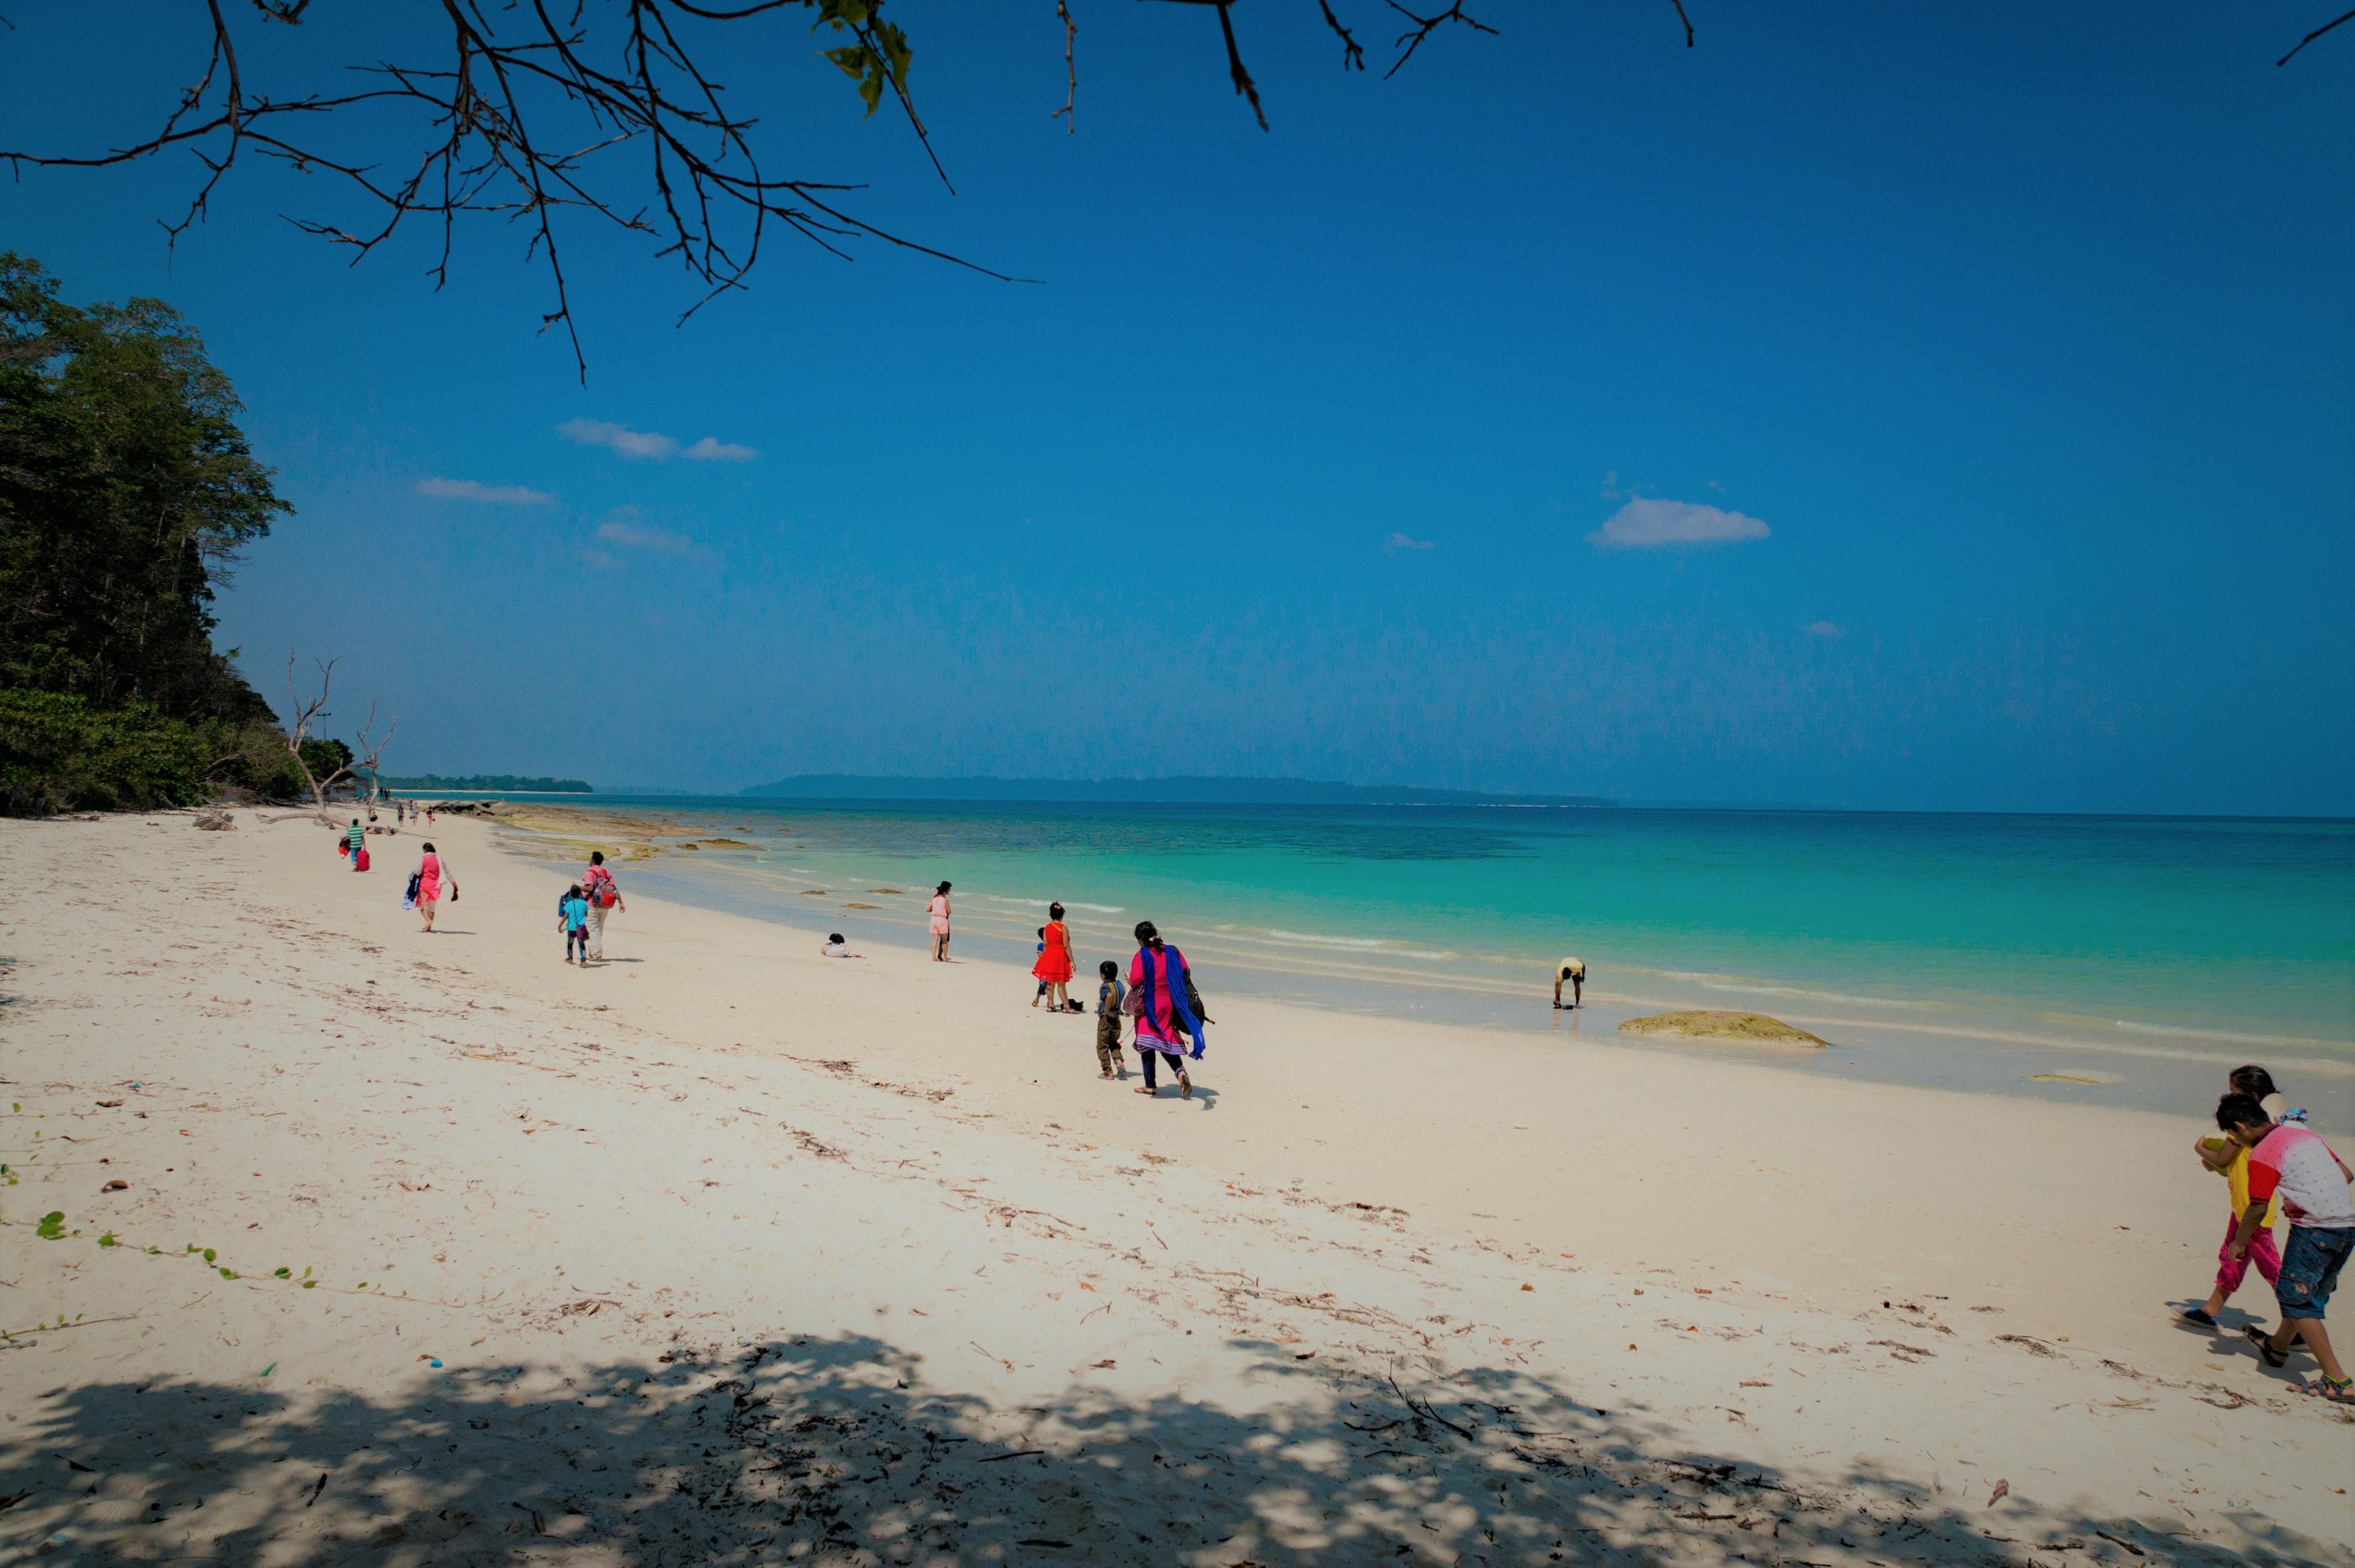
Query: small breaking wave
x,y
1760,988
1313,939
1042,904
2294,1041
1382,945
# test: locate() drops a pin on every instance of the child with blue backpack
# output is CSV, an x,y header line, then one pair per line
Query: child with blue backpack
x,y
572,914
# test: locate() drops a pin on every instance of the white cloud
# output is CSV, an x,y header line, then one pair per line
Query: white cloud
x,y
602,560
621,438
1397,542
1647,524
1823,629
646,443
637,536
469,490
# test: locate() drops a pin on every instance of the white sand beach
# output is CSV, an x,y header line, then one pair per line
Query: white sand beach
x,y
721,1252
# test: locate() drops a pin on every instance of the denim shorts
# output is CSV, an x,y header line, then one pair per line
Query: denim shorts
x,y
2309,1269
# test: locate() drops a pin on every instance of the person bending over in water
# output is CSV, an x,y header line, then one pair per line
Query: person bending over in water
x,y
1574,971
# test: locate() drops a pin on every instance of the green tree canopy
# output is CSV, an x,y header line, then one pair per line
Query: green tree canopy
x,y
126,492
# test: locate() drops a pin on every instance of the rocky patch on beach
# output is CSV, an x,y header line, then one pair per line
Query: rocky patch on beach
x,y
1705,1023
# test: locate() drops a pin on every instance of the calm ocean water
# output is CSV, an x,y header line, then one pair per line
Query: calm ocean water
x,y
2147,955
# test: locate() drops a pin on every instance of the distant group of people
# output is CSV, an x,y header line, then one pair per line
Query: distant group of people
x,y
1159,996
581,912
2277,1170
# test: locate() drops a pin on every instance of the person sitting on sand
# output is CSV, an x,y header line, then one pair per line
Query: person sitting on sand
x,y
837,948
2312,1180
572,914
1574,971
1055,966
1110,995
939,910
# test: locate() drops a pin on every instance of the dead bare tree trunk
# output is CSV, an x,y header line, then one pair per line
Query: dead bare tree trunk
x,y
302,716
368,753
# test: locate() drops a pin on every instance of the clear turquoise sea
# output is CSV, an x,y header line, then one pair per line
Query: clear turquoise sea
x,y
2147,954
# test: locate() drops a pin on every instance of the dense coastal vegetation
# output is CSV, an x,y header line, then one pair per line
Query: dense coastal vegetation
x,y
127,493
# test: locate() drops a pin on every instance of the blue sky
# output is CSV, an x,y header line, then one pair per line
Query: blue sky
x,y
2004,360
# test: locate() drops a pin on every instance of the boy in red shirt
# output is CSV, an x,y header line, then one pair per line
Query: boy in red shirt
x,y
2313,1183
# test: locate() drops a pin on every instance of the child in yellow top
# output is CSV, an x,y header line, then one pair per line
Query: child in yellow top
x,y
2231,1162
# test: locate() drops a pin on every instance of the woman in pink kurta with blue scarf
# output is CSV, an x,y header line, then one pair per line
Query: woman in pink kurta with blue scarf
x,y
1164,1012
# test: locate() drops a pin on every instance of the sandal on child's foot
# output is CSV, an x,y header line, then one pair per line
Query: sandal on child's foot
x,y
2197,1315
2264,1342
2337,1391
1144,1089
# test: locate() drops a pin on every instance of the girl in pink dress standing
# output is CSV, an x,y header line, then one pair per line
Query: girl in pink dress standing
x,y
940,913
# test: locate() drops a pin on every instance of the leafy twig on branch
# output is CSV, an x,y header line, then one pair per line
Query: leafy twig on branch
x,y
541,111
524,118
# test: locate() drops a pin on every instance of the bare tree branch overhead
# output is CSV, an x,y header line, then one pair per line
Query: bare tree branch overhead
x,y
2317,32
541,112
528,117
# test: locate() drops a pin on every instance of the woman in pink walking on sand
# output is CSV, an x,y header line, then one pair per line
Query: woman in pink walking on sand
x,y
938,910
432,876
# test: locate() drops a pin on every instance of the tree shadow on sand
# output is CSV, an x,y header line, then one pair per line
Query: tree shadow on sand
x,y
832,1451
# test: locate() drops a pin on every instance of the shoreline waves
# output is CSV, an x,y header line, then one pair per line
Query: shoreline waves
x,y
1440,930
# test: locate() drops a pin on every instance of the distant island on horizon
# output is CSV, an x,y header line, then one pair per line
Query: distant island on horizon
x,y
483,783
1182,789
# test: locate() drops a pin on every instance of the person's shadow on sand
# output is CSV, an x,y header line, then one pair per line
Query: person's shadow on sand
x,y
2228,1322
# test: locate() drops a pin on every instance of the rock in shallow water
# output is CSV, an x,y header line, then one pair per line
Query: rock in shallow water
x,y
1741,1029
